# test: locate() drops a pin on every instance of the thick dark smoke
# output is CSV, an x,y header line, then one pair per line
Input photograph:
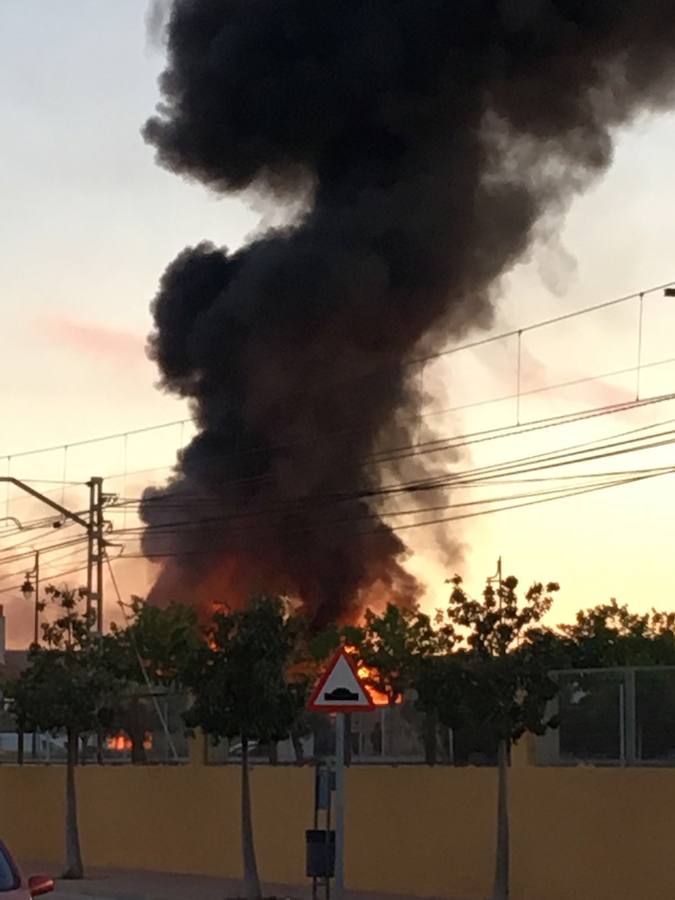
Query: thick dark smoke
x,y
429,139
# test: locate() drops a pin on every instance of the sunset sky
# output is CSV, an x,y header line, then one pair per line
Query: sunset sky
x,y
89,222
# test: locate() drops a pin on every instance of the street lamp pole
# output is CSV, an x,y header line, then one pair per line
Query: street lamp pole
x,y
28,590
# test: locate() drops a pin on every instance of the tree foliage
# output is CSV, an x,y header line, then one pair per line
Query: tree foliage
x,y
155,644
611,635
68,686
392,645
151,650
238,677
239,685
507,655
507,684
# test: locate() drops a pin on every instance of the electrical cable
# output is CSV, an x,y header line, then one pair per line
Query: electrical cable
x,y
144,672
458,442
534,462
537,499
488,339
17,587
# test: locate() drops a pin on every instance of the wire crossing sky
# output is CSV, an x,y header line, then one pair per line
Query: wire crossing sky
x,y
82,195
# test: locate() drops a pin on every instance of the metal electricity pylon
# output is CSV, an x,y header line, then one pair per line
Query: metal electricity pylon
x,y
94,526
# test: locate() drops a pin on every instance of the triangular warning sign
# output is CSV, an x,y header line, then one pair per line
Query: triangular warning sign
x,y
340,689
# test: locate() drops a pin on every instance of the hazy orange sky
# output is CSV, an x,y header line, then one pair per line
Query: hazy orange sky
x,y
89,222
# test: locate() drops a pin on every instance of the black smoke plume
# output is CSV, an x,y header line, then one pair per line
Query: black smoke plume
x,y
426,141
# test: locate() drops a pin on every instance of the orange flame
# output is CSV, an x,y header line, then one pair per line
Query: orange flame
x,y
368,676
121,742
371,677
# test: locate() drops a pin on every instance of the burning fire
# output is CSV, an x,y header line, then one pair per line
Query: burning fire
x,y
370,676
122,743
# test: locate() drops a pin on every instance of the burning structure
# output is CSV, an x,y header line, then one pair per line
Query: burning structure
x,y
422,145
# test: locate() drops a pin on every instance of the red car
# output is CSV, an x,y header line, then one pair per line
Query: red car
x,y
13,885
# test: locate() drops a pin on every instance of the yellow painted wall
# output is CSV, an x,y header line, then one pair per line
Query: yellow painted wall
x,y
593,833
582,833
175,819
417,830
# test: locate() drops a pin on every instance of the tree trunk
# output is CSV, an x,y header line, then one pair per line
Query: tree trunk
x,y
84,740
74,867
252,889
430,729
298,748
19,747
136,731
99,747
502,880
139,757
273,753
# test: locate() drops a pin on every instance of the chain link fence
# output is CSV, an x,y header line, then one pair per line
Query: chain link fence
x,y
148,728
612,717
608,717
389,735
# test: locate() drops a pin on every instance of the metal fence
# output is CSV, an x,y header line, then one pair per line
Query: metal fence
x,y
612,717
148,729
389,735
608,717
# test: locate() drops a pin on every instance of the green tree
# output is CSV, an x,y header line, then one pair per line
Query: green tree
x,y
66,687
441,685
307,656
391,644
239,686
390,649
507,683
152,649
610,636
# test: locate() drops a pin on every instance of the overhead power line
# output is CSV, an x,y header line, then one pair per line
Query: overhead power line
x,y
467,478
386,454
206,550
470,345
536,462
28,554
56,577
439,445
504,471
571,454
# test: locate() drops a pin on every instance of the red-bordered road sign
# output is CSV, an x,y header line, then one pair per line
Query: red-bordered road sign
x,y
340,690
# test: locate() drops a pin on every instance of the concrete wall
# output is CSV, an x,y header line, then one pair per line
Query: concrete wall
x,y
590,834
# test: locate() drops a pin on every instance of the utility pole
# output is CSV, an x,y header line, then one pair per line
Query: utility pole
x,y
95,540
95,550
498,578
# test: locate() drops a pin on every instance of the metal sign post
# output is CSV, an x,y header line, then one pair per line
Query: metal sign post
x,y
339,806
340,691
